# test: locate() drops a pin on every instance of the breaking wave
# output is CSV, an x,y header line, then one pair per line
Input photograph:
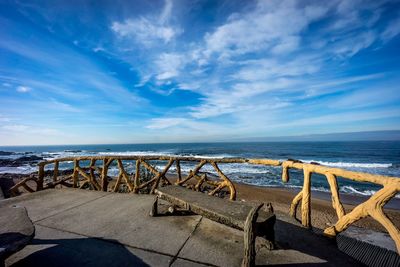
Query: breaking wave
x,y
351,164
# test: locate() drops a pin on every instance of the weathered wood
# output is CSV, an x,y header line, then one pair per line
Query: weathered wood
x,y
153,211
230,213
75,173
150,168
40,177
372,207
202,179
55,173
178,170
104,176
135,157
250,237
248,218
295,203
14,189
124,175
226,182
161,175
306,200
93,179
270,162
27,188
192,173
117,183
89,178
336,204
58,182
137,176
355,176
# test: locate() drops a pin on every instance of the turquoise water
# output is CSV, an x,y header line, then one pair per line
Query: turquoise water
x,y
371,157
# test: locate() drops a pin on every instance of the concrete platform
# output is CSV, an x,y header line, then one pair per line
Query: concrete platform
x,y
87,228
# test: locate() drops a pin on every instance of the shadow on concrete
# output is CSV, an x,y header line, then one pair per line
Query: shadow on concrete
x,y
291,236
12,242
298,264
79,252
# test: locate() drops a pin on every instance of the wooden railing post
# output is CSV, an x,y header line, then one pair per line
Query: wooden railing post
x,y
40,177
75,173
178,171
55,173
136,181
306,199
337,205
104,174
285,172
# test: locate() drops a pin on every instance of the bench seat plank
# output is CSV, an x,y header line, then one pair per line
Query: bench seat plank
x,y
230,213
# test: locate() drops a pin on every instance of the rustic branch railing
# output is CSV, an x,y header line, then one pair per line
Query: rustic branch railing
x,y
96,178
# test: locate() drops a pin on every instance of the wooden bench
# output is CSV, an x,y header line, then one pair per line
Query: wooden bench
x,y
254,220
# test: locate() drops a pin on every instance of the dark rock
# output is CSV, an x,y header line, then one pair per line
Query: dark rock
x,y
6,153
7,163
295,160
29,158
19,161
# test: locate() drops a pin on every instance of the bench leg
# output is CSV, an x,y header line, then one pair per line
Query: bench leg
x,y
249,256
153,211
266,229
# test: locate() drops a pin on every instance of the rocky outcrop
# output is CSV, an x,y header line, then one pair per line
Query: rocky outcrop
x,y
31,160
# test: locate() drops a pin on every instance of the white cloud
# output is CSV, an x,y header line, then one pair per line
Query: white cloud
x,y
392,30
169,65
23,89
263,69
241,97
271,25
98,49
163,123
350,47
144,31
15,127
36,130
286,45
4,119
149,30
166,12
178,126
352,79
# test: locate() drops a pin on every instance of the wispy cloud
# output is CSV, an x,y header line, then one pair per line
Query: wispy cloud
x,y
23,89
148,30
392,30
258,67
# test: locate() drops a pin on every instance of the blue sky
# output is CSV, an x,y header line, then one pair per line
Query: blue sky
x,y
75,72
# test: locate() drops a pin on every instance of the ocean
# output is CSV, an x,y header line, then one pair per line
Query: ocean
x,y
371,157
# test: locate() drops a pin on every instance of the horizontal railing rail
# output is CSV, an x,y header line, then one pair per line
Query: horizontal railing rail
x,y
95,176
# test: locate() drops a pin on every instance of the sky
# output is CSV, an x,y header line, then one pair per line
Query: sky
x,y
87,72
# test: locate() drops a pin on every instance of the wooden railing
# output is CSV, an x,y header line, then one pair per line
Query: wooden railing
x,y
95,176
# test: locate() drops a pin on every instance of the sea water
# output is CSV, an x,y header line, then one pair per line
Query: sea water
x,y
371,157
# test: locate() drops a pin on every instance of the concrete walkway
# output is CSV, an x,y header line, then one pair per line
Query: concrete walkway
x,y
88,228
